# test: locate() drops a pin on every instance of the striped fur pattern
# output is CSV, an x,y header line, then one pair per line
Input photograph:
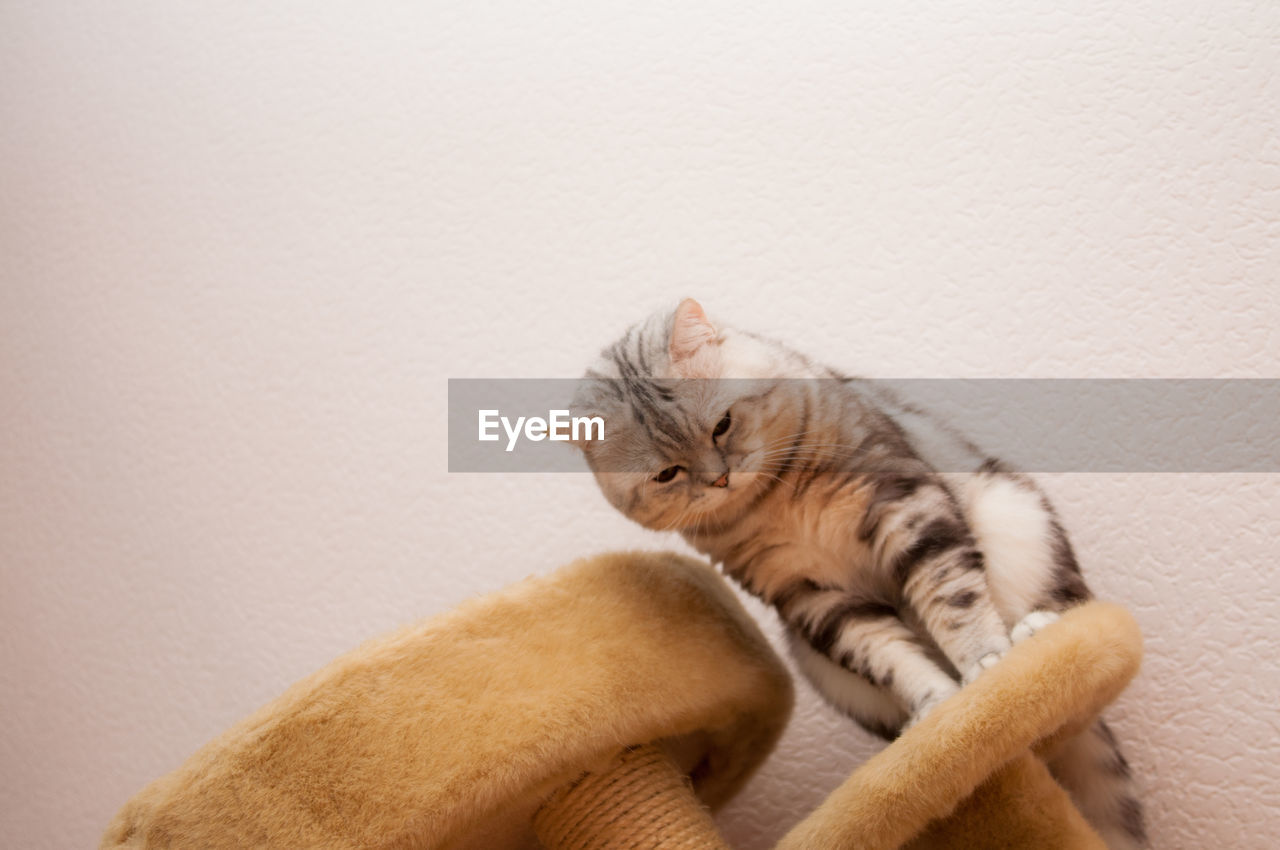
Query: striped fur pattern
x,y
821,495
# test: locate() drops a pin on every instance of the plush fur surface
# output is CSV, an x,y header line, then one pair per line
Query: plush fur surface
x,y
1019,806
449,733
965,777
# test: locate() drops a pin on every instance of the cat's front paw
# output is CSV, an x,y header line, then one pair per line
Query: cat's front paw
x,y
980,666
1030,624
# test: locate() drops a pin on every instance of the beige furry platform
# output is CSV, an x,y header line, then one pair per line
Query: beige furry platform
x,y
966,776
452,733
600,709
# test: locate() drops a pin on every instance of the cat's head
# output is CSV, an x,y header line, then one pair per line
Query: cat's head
x,y
696,418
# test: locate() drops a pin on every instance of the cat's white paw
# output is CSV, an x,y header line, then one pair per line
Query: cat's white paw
x,y
980,666
1030,624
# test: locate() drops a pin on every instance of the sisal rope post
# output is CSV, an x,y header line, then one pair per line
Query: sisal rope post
x,y
640,801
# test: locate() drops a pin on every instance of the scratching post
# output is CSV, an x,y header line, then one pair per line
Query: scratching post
x,y
639,801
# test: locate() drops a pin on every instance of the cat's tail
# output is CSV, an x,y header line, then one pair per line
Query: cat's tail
x,y
1096,774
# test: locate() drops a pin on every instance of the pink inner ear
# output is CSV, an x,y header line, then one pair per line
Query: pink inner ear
x,y
691,354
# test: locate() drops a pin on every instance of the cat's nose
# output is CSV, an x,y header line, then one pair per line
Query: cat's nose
x,y
722,481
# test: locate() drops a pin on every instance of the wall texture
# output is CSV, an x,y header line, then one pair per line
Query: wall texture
x,y
243,246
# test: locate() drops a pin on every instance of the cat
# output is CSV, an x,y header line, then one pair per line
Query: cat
x,y
897,579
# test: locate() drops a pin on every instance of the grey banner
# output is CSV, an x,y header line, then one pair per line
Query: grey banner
x,y
1037,425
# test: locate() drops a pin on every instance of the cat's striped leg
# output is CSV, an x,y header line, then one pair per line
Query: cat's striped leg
x,y
868,640
925,548
874,708
1094,771
951,598
945,584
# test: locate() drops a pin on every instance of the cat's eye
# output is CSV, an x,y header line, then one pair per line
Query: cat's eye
x,y
667,474
722,425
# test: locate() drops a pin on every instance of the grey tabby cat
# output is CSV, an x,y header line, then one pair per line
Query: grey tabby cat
x,y
822,496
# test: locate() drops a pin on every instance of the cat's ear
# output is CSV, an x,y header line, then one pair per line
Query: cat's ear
x,y
589,420
692,353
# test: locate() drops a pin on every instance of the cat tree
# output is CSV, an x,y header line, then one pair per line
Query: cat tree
x,y
609,705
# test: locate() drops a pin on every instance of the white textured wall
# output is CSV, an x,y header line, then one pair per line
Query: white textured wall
x,y
243,245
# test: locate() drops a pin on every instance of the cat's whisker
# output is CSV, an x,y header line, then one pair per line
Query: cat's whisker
x,y
809,453
777,478
790,441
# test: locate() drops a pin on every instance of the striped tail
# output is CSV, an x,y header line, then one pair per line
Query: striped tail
x,y
1096,774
